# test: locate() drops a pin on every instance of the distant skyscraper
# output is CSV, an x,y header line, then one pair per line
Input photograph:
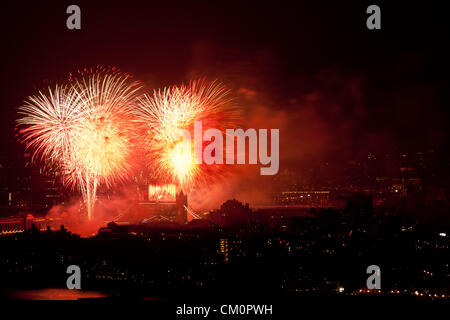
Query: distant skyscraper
x,y
359,208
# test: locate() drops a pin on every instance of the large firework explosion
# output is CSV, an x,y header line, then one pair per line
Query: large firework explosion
x,y
83,129
177,107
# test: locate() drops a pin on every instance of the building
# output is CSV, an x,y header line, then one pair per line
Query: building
x,y
24,186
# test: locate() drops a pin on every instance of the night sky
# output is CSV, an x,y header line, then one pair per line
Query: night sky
x,y
310,68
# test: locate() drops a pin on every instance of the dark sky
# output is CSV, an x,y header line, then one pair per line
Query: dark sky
x,y
312,67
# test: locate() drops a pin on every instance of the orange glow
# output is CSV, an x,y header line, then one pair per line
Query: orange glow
x,y
162,193
77,128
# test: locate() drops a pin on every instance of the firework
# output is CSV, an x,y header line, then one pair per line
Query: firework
x,y
162,192
89,127
49,121
177,107
83,129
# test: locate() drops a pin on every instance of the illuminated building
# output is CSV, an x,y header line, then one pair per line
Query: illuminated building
x,y
224,249
26,187
166,210
16,224
313,198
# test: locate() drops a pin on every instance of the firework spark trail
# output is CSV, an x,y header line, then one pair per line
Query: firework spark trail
x,y
83,129
177,107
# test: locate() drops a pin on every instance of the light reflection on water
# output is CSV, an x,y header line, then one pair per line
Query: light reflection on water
x,y
51,294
